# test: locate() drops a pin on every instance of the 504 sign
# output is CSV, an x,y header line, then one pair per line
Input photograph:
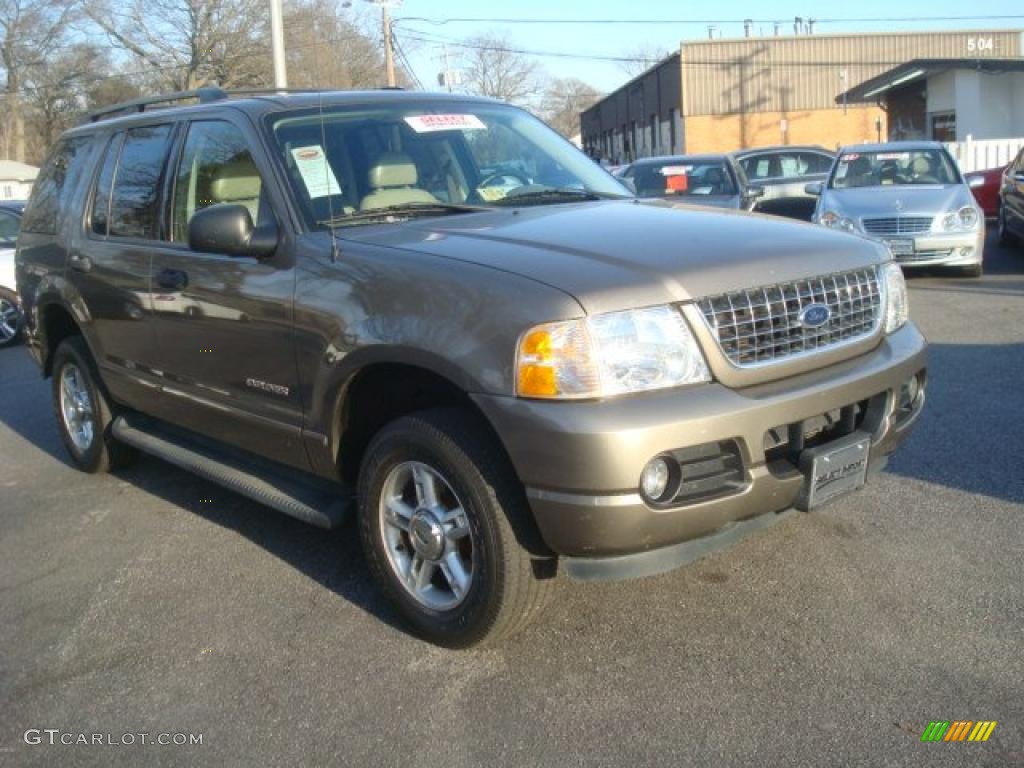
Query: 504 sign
x,y
980,45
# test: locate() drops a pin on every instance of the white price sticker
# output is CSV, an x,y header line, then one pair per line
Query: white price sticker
x,y
315,171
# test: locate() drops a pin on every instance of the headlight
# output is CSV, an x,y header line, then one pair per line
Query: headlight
x,y
965,219
612,354
897,307
833,220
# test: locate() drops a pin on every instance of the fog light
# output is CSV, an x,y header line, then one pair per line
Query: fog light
x,y
654,479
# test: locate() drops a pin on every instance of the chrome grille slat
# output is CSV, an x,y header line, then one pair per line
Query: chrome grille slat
x,y
762,325
897,225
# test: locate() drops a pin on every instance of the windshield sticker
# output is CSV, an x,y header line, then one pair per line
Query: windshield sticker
x,y
676,183
432,123
849,158
315,171
676,170
893,156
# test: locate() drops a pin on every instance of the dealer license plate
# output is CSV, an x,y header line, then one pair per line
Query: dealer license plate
x,y
834,469
901,247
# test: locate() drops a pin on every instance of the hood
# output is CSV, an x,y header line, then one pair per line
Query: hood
x,y
702,201
891,201
622,254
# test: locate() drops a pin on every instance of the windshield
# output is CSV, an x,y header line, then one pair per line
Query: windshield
x,y
407,160
877,169
680,177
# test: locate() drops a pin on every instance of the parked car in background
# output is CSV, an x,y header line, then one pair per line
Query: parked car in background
x,y
908,195
713,180
985,187
1011,202
783,173
11,321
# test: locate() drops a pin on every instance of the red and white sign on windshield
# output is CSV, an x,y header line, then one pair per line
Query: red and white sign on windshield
x,y
431,123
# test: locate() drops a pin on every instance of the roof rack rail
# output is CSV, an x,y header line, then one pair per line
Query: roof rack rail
x,y
205,95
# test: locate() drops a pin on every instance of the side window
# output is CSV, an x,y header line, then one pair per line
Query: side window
x,y
101,197
216,167
812,162
9,226
55,185
135,200
756,167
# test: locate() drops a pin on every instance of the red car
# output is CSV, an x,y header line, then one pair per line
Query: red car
x,y
985,186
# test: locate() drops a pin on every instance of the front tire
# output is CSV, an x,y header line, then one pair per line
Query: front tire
x,y
447,532
12,322
84,413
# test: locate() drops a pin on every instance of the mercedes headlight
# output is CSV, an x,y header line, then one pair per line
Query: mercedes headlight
x,y
611,354
833,220
897,307
963,220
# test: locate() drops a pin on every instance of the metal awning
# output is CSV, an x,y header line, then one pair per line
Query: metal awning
x,y
878,87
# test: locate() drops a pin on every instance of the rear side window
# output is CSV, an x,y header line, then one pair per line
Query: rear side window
x,y
135,199
101,200
55,185
9,226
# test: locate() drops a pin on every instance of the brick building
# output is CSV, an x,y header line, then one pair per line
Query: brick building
x,y
721,95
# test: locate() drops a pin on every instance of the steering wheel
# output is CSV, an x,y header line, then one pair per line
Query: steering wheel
x,y
504,175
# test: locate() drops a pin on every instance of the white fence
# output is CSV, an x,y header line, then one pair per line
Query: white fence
x,y
981,155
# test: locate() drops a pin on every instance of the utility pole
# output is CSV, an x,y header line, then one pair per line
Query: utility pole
x,y
389,41
277,44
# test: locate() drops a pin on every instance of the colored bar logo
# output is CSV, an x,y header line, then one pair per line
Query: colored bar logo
x,y
958,730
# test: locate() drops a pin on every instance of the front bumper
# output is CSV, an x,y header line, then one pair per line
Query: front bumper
x,y
581,462
959,249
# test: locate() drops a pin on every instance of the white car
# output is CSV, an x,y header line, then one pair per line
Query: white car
x,y
10,312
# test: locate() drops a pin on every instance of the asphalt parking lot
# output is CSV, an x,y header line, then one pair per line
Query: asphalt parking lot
x,y
153,602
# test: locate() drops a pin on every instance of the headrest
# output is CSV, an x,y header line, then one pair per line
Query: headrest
x,y
237,180
392,169
921,164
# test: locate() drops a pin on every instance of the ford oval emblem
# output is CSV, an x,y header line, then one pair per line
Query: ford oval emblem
x,y
814,315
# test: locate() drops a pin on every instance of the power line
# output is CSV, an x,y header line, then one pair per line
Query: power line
x,y
836,20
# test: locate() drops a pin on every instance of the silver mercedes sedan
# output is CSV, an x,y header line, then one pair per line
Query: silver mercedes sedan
x,y
908,195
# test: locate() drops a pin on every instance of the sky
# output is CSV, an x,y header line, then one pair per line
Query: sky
x,y
622,39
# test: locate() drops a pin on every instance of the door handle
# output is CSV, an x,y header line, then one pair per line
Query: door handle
x,y
80,263
172,279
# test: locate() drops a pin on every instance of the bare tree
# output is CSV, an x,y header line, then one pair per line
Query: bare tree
x,y
640,58
564,100
328,49
492,67
183,44
30,31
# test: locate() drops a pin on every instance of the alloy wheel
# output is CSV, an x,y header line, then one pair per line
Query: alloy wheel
x,y
426,535
76,407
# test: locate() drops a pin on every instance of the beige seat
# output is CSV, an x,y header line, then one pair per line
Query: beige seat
x,y
392,180
238,182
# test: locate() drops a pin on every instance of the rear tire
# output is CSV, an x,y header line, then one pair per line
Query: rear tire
x,y
83,410
447,531
12,322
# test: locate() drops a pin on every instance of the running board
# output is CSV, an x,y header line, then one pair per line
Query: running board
x,y
317,502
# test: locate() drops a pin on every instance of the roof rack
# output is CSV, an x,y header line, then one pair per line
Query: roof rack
x,y
204,95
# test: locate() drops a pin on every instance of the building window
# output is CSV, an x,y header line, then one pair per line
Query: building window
x,y
944,126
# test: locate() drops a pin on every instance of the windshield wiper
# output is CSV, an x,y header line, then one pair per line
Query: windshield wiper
x,y
556,195
400,212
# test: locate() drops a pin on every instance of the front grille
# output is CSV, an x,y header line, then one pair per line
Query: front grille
x,y
708,471
924,256
762,325
898,225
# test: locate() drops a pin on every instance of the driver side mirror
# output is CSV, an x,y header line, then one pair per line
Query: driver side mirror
x,y
814,188
228,229
754,193
975,181
628,184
